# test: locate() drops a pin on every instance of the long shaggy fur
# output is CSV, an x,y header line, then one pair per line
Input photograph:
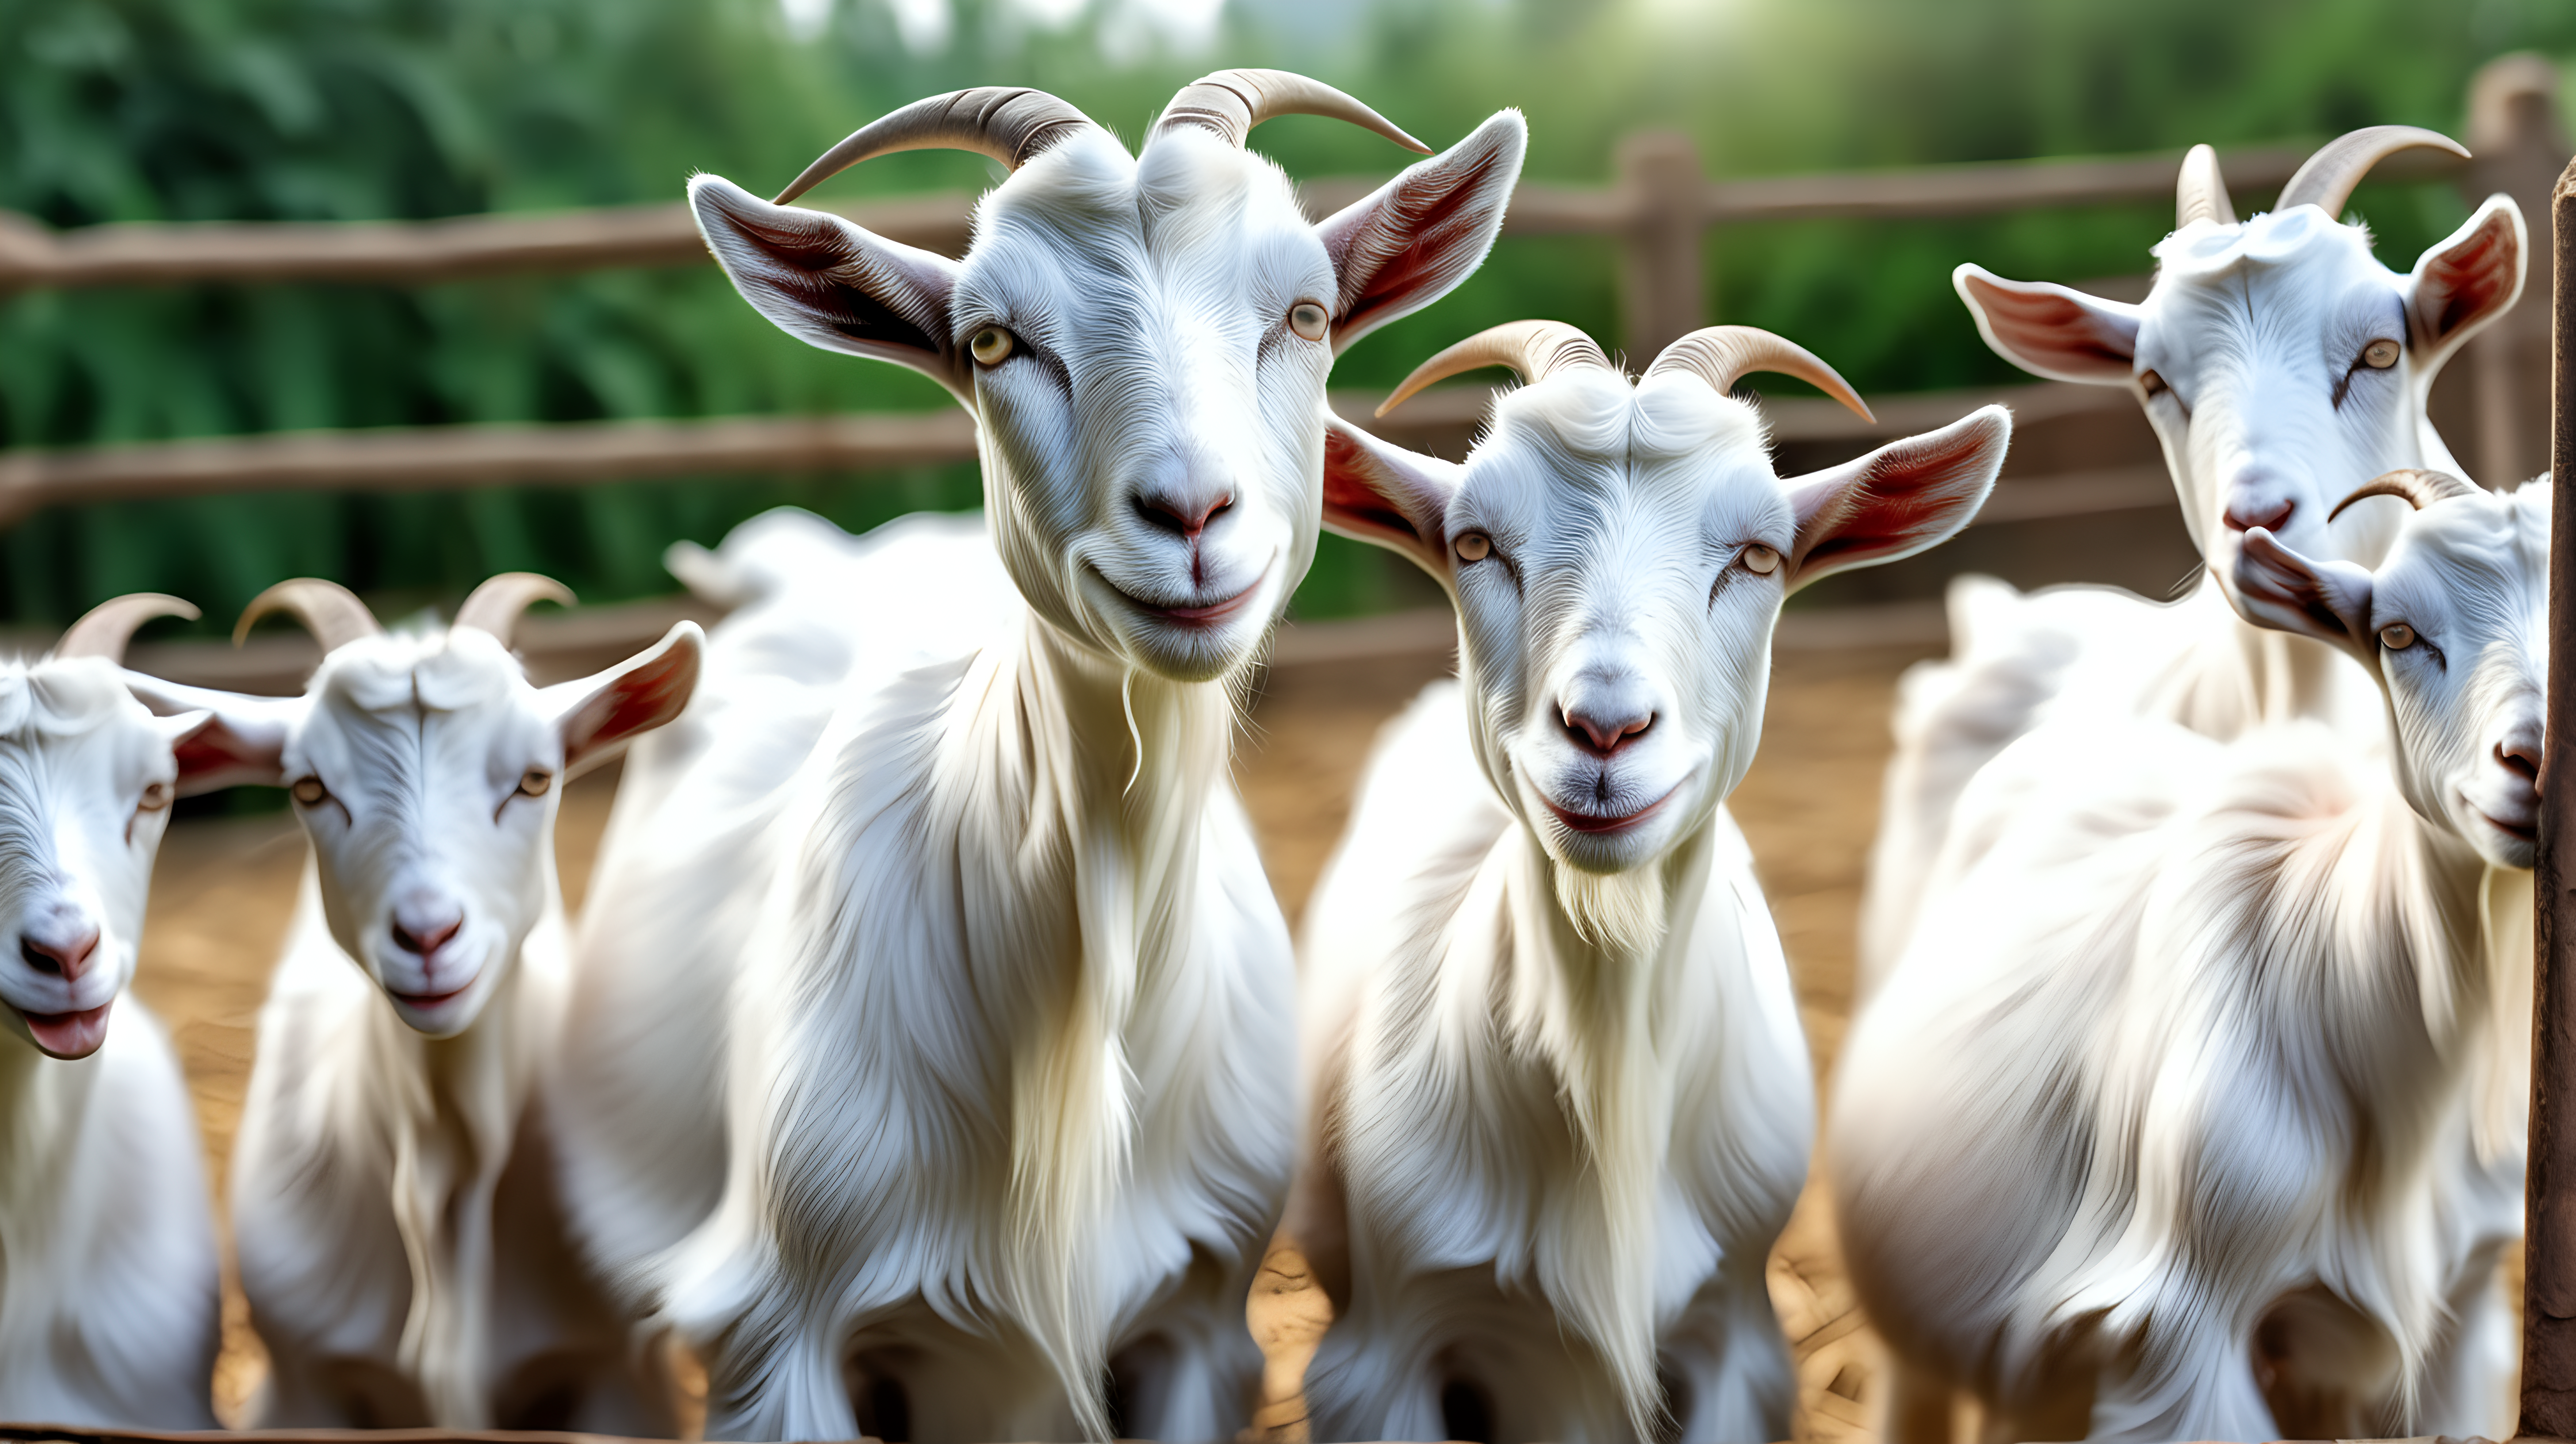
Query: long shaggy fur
x,y
2193,1108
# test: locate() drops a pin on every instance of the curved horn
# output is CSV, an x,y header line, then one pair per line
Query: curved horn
x,y
494,607
1535,350
2420,489
330,611
104,630
1722,355
2327,178
1232,102
2200,192
1009,123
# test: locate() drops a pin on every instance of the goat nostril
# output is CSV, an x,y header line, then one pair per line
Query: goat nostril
x,y
2245,514
428,940
1604,737
1181,518
64,960
2521,759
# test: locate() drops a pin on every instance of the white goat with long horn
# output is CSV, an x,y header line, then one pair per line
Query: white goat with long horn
x,y
107,1243
2281,365
2194,1109
1559,1104
392,1197
931,975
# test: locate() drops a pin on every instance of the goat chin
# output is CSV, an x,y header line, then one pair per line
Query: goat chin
x,y
1005,1102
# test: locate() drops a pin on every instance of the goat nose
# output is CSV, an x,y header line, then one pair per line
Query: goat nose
x,y
2244,513
2521,756
67,957
1603,735
424,937
1181,515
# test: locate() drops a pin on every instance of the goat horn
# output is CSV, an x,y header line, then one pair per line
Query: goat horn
x,y
1232,102
2327,178
2200,192
105,629
494,607
2420,489
1535,350
1009,123
330,611
1721,355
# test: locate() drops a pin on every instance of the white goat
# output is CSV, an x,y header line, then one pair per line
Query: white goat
x,y
1559,1104
2281,365
962,973
107,1245
392,1198
2193,1111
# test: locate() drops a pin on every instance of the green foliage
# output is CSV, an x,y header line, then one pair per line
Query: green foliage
x,y
134,110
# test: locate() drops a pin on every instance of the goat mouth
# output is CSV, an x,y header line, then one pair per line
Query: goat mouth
x,y
69,1035
1595,825
426,1001
1210,615
2525,831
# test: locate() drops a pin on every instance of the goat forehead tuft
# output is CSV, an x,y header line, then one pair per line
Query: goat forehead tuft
x,y
2206,250
450,670
65,697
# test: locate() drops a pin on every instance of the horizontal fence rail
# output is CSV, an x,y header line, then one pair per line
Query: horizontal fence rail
x,y
434,458
410,253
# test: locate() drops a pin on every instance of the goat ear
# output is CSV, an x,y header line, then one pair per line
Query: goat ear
x,y
2465,282
1898,500
2051,330
2287,592
831,284
1381,493
599,715
222,739
1423,232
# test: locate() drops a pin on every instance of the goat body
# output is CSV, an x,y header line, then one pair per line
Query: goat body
x,y
2194,1107
1469,1035
1018,1000
108,1313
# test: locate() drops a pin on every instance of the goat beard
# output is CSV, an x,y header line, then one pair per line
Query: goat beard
x,y
1621,913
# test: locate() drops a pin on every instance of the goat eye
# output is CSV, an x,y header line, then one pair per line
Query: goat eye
x,y
1760,559
156,795
991,346
2154,384
535,781
308,791
1474,546
2397,636
2379,355
1308,320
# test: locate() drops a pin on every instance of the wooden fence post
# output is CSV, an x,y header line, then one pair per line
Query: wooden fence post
x,y
1662,286
2515,132
2549,1201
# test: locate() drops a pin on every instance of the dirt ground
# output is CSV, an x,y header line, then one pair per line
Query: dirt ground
x,y
223,889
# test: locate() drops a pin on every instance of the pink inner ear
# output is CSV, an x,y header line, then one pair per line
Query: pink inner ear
x,y
638,701
1901,497
1415,245
2471,276
2053,329
1351,501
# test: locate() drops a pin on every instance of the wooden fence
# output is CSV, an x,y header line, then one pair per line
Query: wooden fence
x,y
1660,208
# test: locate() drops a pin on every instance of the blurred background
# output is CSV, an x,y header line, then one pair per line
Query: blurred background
x,y
345,110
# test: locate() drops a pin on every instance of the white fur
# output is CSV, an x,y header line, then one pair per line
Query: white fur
x,y
107,1245
2199,1088
391,1213
2255,330
1559,1104
936,931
